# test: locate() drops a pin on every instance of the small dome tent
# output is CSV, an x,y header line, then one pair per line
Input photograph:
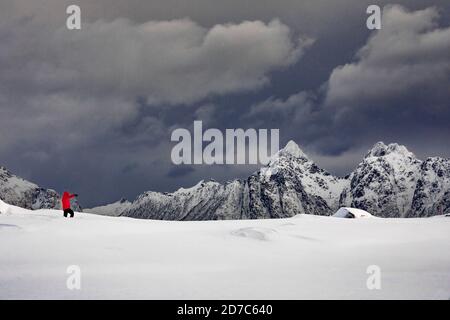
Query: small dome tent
x,y
351,213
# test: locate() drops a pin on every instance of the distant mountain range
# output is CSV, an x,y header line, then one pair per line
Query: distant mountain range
x,y
389,182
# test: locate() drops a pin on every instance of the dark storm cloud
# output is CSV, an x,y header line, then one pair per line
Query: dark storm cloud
x,y
177,61
93,110
396,90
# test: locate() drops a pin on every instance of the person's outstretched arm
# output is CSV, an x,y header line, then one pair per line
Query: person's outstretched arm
x,y
73,195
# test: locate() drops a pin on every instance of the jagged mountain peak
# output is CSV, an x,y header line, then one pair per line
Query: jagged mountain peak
x,y
380,149
6,173
13,182
198,185
291,149
385,181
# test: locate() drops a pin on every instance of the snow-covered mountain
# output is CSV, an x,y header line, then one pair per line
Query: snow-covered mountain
x,y
112,209
389,182
290,184
392,182
20,192
384,182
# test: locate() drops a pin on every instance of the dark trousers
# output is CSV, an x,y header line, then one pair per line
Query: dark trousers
x,y
68,211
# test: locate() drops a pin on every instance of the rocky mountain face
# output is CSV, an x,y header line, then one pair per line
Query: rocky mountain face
x,y
432,191
25,194
389,182
384,182
204,201
392,182
291,184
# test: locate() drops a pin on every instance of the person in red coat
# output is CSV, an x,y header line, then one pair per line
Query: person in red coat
x,y
66,203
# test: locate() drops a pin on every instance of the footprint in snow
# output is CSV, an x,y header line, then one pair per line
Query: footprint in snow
x,y
4,225
254,233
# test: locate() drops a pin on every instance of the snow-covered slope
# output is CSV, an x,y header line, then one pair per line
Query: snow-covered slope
x,y
113,209
304,257
389,182
20,192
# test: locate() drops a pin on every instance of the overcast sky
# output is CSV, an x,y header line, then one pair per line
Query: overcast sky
x,y
92,110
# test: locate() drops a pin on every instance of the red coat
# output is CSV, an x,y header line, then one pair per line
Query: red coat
x,y
66,200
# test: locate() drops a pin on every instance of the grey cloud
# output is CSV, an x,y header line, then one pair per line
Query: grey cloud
x,y
175,61
409,52
398,89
